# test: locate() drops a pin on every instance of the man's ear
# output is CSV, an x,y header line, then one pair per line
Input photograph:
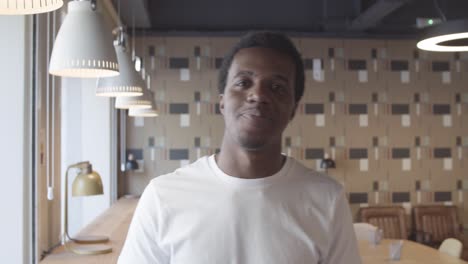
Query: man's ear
x,y
221,103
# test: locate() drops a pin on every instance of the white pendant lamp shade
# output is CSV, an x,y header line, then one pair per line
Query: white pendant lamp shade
x,y
150,112
127,83
83,47
127,102
28,7
145,112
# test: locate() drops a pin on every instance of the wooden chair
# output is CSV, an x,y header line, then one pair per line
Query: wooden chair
x,y
435,223
391,219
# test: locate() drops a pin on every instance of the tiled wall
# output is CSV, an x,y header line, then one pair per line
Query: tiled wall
x,y
395,119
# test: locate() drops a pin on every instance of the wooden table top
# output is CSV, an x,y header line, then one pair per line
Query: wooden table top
x,y
114,222
411,253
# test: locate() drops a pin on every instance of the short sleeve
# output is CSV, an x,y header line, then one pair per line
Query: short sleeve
x,y
142,245
343,247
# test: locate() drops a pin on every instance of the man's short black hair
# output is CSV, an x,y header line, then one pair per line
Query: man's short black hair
x,y
271,40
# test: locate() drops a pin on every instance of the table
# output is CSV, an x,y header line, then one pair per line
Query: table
x,y
114,222
411,253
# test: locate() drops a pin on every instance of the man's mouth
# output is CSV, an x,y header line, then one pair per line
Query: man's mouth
x,y
257,116
257,110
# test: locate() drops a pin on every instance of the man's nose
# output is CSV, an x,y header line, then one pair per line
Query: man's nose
x,y
260,93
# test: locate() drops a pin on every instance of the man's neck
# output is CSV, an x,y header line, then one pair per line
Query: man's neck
x,y
250,164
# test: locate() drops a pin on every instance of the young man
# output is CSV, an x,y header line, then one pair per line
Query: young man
x,y
248,204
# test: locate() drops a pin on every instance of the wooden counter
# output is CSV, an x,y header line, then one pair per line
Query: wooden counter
x,y
114,223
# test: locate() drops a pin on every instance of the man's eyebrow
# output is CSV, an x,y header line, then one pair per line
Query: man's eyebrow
x,y
251,73
242,73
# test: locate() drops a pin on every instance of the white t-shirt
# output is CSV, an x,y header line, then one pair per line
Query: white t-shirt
x,y
200,215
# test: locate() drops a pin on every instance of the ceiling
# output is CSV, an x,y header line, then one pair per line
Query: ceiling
x,y
340,18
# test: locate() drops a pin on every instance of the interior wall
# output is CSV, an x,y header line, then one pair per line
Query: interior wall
x,y
393,118
15,139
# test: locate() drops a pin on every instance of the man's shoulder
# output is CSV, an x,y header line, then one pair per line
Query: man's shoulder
x,y
194,170
318,180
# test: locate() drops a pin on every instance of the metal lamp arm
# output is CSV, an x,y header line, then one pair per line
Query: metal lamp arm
x,y
65,214
79,165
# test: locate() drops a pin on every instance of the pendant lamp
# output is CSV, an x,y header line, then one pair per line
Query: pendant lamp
x,y
450,36
28,7
142,112
126,102
128,83
83,47
145,112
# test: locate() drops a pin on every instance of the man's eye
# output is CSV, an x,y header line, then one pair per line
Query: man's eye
x,y
278,87
242,83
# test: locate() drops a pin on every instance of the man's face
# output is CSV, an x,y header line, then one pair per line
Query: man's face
x,y
258,100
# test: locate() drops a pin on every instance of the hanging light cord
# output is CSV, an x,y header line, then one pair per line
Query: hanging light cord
x,y
53,112
50,190
93,5
133,34
441,14
122,140
50,115
142,50
122,30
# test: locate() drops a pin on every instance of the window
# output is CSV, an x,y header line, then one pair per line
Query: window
x,y
48,123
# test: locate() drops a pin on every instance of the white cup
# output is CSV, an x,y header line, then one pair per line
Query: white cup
x,y
395,250
375,236
378,236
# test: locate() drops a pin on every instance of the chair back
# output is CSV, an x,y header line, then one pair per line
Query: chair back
x,y
439,221
452,247
391,219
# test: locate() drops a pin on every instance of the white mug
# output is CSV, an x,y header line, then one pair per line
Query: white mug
x,y
375,236
395,250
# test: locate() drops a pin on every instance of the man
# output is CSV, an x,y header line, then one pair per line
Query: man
x,y
248,204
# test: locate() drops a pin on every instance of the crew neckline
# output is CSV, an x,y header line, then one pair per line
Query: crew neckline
x,y
242,182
